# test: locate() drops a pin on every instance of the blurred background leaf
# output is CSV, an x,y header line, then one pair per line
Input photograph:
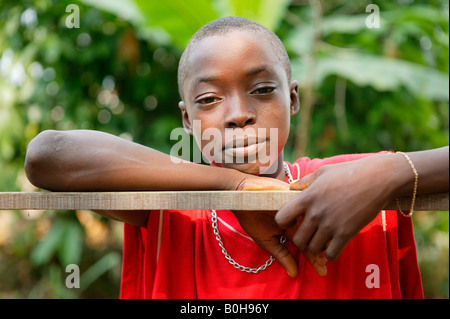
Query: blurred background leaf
x,y
362,90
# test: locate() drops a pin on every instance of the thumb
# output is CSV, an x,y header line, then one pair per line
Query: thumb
x,y
282,255
305,182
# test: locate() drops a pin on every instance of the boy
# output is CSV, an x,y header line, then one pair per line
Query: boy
x,y
235,74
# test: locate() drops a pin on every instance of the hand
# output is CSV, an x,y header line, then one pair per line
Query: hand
x,y
261,226
336,202
255,183
266,233
317,260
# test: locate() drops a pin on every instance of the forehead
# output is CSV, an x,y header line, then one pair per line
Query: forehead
x,y
235,51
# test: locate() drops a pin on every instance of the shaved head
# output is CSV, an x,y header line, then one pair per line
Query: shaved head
x,y
221,27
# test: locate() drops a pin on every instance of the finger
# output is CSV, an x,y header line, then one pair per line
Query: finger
x,y
322,258
304,234
303,183
335,247
288,214
290,232
282,255
319,241
318,261
264,183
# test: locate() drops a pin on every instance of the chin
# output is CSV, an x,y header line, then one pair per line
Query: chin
x,y
248,168
254,168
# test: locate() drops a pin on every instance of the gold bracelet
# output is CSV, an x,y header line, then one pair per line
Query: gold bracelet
x,y
416,180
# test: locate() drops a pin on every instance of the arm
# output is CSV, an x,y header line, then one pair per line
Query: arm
x,y
339,200
95,161
84,160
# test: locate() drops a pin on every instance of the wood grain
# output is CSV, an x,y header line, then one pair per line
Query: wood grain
x,y
219,200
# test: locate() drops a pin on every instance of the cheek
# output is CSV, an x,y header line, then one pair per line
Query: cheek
x,y
206,133
278,117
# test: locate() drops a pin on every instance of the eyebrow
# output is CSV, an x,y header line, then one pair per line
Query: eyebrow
x,y
205,79
255,71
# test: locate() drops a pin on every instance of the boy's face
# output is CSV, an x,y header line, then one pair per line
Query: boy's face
x,y
237,89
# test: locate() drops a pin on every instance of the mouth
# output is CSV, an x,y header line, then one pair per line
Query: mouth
x,y
244,147
244,141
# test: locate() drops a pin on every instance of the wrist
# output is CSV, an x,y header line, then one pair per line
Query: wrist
x,y
400,175
232,179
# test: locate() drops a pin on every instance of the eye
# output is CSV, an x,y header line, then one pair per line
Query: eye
x,y
264,90
208,100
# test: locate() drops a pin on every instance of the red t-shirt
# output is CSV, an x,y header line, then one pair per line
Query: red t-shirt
x,y
178,256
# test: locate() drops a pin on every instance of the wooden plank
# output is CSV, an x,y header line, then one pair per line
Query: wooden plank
x,y
219,200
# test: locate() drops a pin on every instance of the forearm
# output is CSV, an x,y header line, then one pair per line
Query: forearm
x,y
95,161
338,200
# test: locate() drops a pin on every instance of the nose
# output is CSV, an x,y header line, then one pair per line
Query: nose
x,y
240,114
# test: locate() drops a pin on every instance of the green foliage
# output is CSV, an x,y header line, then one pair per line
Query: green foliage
x,y
176,21
64,240
374,89
408,52
383,74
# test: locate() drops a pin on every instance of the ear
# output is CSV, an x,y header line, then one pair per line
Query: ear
x,y
186,122
295,102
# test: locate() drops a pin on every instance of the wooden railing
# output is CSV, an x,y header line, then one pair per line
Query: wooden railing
x,y
219,200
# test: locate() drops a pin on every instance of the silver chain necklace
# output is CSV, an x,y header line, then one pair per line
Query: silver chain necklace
x,y
225,252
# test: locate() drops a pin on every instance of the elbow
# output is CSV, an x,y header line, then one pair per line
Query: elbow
x,y
38,158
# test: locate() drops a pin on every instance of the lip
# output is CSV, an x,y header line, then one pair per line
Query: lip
x,y
244,148
243,142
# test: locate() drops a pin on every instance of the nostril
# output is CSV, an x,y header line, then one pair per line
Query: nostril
x,y
236,124
240,115
250,121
